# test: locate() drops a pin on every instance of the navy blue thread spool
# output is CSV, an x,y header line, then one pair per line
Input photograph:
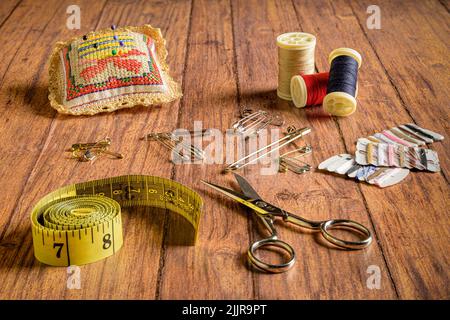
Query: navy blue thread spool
x,y
342,84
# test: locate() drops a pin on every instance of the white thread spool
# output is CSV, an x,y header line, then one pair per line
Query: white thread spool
x,y
295,56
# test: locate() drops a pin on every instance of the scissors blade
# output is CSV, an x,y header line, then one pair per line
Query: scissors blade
x,y
247,189
241,198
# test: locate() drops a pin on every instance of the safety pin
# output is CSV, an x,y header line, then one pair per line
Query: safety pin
x,y
182,149
291,163
93,153
292,134
90,151
253,122
192,133
277,120
84,146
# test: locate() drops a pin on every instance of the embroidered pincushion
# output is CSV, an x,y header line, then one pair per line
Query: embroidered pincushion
x,y
110,69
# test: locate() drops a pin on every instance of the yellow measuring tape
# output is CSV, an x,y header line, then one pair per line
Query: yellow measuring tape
x,y
81,223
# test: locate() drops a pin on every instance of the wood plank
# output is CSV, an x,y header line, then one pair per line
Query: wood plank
x,y
419,68
214,268
321,271
23,91
407,215
224,53
139,259
7,8
24,101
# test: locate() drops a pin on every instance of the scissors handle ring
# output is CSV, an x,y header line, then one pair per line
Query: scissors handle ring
x,y
268,267
348,224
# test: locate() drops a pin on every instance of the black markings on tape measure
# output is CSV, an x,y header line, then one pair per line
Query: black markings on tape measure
x,y
59,246
107,241
112,223
128,191
163,193
148,191
67,248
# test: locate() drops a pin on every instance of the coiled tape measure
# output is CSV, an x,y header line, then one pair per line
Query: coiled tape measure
x,y
81,223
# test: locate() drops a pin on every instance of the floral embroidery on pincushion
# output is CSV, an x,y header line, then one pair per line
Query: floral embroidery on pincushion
x,y
111,69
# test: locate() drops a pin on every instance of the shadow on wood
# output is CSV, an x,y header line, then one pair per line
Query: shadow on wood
x,y
35,97
176,229
179,232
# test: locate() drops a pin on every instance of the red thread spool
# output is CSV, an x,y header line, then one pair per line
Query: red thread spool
x,y
309,89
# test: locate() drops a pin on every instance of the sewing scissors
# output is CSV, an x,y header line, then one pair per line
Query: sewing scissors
x,y
268,212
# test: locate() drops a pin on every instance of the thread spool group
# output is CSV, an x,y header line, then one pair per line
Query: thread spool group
x,y
336,89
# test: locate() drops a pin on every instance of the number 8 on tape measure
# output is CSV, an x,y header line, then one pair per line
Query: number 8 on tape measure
x,y
81,223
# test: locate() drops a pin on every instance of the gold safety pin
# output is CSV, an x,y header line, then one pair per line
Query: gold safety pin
x,y
90,151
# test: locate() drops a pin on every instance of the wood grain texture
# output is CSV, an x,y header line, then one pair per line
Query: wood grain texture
x,y
422,93
315,196
6,9
26,128
213,268
425,88
224,54
399,213
105,277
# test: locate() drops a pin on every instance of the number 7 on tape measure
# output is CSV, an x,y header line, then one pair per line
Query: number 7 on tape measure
x,y
81,223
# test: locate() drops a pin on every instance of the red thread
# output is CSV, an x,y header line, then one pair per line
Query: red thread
x,y
316,87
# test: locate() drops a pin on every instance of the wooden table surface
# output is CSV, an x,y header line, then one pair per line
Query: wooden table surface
x,y
224,54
